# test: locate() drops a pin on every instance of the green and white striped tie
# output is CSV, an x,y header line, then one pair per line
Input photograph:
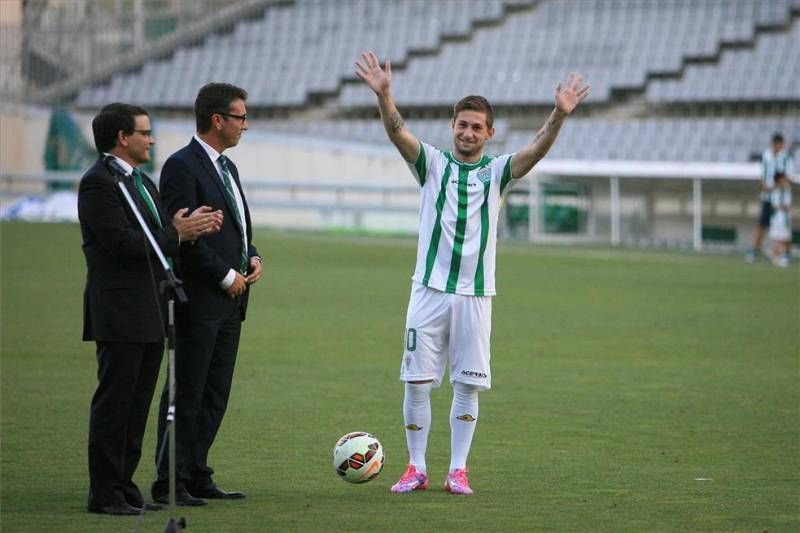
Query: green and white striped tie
x,y
230,197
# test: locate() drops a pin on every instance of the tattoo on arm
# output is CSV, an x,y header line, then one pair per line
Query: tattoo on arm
x,y
395,122
545,130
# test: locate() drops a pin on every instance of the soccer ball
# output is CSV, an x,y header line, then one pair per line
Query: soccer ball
x,y
358,457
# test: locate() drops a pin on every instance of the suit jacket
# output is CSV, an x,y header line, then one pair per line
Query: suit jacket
x,y
120,304
190,179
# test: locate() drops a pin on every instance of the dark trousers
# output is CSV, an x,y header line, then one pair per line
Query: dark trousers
x,y
126,375
204,363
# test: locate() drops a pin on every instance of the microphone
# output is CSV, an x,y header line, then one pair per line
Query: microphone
x,y
111,163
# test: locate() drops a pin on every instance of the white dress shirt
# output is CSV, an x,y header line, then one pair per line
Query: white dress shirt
x,y
227,281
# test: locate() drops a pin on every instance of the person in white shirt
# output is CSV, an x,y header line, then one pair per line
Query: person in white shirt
x,y
450,309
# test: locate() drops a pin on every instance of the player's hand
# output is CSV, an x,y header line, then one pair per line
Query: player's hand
x,y
568,98
369,70
238,286
201,221
255,271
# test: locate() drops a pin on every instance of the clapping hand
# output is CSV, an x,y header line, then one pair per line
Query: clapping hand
x,y
201,221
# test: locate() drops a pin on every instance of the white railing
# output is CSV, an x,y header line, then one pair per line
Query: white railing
x,y
624,202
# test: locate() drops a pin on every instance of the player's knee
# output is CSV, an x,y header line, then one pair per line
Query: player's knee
x,y
417,392
465,391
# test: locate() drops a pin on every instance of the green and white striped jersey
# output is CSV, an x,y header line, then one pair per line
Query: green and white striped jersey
x,y
458,211
771,164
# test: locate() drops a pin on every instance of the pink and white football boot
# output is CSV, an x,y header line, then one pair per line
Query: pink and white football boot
x,y
457,482
410,481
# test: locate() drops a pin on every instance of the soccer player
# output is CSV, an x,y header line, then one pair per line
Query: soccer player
x,y
450,308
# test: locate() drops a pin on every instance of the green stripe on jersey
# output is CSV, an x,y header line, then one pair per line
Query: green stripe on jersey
x,y
420,165
433,247
506,175
484,237
461,227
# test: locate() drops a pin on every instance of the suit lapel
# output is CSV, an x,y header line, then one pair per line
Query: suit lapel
x,y
213,174
153,190
209,167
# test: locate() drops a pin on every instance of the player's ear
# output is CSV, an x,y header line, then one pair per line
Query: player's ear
x,y
489,133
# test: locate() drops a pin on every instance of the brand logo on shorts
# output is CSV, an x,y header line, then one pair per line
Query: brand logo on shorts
x,y
473,374
413,427
484,174
466,417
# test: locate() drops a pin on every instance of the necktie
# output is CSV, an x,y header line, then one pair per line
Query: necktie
x,y
227,181
137,181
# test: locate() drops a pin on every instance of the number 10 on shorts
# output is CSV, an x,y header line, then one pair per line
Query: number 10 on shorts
x,y
411,339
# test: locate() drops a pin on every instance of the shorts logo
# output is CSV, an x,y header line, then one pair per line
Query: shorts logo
x,y
411,339
413,427
473,374
466,417
484,174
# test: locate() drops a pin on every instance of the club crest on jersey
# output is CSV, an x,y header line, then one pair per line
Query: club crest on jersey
x,y
484,174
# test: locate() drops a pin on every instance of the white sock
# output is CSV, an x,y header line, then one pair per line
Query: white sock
x,y
463,418
417,416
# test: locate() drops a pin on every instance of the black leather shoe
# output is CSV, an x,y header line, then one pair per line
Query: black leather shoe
x,y
147,506
153,507
122,509
182,498
215,493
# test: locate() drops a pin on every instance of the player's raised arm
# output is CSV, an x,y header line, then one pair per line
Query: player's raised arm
x,y
380,81
567,99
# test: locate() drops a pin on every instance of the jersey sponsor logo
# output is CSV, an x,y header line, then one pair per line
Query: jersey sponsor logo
x,y
473,374
413,427
469,183
484,174
466,417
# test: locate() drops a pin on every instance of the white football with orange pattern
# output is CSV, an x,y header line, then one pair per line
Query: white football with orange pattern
x,y
358,457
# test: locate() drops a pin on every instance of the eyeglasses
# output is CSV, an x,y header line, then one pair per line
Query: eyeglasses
x,y
146,133
242,118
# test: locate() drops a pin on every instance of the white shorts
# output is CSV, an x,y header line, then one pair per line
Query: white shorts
x,y
442,327
779,227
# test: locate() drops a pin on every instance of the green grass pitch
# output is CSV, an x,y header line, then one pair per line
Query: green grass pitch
x,y
633,391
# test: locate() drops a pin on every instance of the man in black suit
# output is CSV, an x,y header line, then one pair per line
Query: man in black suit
x,y
122,312
217,272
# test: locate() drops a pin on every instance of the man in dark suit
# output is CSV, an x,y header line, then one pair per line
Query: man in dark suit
x,y
217,273
122,312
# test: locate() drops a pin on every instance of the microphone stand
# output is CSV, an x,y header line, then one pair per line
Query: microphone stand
x,y
171,288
